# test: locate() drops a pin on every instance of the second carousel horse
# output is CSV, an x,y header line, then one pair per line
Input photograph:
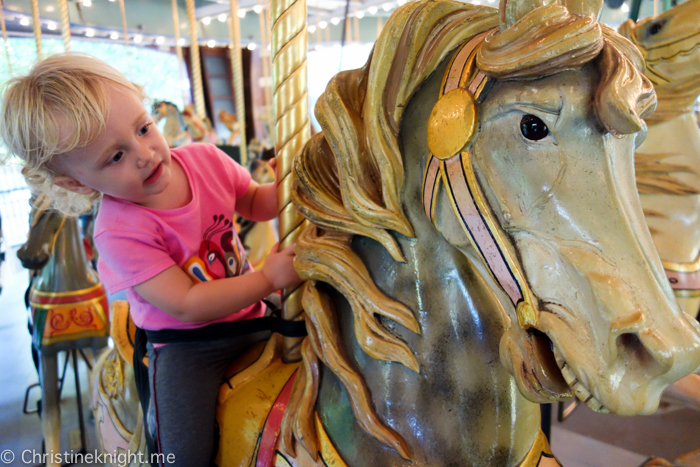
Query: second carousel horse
x,y
175,130
668,161
231,123
200,128
68,306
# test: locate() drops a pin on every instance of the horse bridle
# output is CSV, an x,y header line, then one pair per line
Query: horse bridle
x,y
451,127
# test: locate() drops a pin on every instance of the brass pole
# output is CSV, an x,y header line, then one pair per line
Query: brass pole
x,y
36,19
290,98
178,49
234,29
194,62
264,56
126,31
65,24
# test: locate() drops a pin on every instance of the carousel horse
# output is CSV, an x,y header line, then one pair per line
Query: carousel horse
x,y
68,307
475,246
231,122
200,128
175,130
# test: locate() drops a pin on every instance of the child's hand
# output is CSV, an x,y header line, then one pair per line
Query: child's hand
x,y
279,268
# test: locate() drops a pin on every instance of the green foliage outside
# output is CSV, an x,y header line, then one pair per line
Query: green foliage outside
x,y
157,71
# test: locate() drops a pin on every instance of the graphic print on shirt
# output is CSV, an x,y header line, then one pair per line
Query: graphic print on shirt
x,y
220,254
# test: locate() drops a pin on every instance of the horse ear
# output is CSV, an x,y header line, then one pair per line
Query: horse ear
x,y
590,8
511,11
452,123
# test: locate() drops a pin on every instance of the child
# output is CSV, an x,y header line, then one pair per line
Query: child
x,y
163,231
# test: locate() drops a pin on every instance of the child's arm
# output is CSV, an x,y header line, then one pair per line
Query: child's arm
x,y
259,203
173,291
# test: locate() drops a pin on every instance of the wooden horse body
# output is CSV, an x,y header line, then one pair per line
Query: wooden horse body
x,y
68,305
476,246
175,130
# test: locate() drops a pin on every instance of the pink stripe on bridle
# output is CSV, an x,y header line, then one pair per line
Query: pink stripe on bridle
x,y
456,183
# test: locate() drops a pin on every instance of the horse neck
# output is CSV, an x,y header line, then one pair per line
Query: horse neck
x,y
463,407
67,269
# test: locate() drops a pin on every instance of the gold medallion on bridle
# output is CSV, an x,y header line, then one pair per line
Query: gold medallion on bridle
x,y
452,123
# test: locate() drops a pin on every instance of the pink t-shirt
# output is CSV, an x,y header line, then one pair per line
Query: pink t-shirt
x,y
136,243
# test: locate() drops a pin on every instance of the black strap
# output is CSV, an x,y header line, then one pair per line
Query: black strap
x,y
223,330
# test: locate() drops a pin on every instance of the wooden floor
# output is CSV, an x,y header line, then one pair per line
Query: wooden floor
x,y
585,439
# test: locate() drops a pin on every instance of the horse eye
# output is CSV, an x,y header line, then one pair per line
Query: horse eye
x,y
654,28
533,128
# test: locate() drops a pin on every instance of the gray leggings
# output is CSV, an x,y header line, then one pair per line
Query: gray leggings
x,y
184,380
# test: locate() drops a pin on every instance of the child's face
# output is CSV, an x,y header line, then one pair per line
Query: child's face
x,y
130,160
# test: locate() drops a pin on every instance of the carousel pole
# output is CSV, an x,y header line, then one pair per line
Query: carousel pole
x,y
264,53
291,104
178,49
234,29
65,24
4,38
36,19
126,31
268,60
194,62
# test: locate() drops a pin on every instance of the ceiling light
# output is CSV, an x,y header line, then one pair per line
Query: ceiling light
x,y
114,36
251,46
206,20
372,10
50,8
360,15
51,26
241,13
335,21
312,29
222,17
24,21
160,40
211,43
257,9
323,25
387,6
90,33
181,41
87,2
138,38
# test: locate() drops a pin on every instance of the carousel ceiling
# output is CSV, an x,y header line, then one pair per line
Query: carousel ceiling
x,y
150,22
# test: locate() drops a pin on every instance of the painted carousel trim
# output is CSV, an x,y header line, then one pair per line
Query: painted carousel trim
x,y
540,454
70,293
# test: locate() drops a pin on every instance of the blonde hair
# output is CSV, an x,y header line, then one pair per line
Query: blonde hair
x,y
61,105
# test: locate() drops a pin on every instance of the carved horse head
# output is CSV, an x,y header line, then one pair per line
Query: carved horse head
x,y
44,226
670,46
527,172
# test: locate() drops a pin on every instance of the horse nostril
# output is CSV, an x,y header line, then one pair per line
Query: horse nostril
x,y
632,349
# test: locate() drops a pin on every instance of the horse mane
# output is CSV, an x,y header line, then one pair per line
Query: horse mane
x,y
654,176
348,181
